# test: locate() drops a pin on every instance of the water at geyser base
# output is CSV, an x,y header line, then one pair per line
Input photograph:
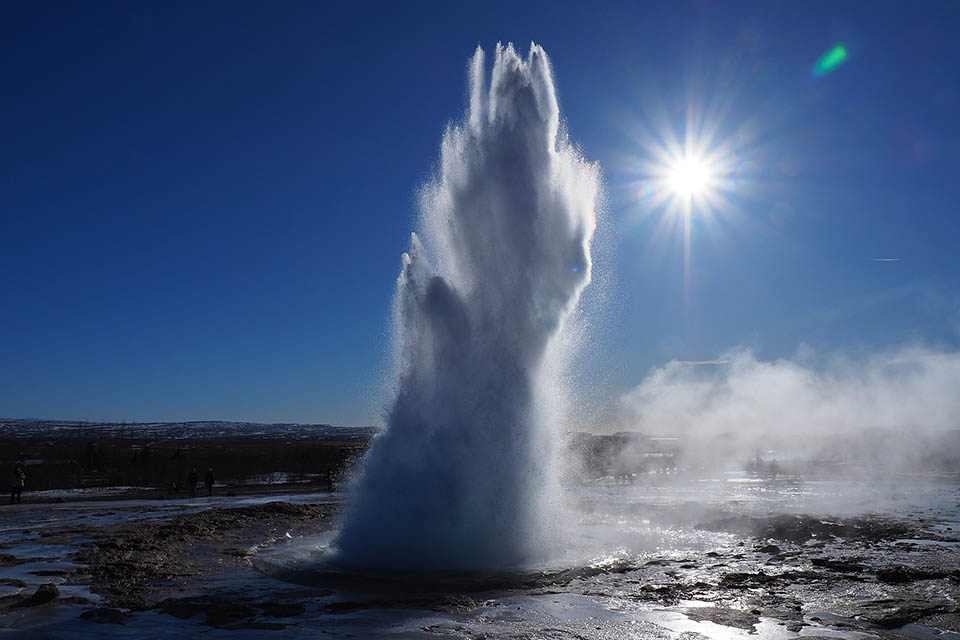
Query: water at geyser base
x,y
463,478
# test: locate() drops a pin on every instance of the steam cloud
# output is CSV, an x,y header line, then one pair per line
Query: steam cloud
x,y
462,476
911,392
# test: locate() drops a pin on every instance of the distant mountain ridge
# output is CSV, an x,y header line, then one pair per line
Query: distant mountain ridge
x,y
29,427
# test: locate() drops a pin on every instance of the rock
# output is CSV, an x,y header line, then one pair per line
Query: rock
x,y
740,580
668,594
727,617
844,566
891,614
104,615
45,593
13,582
899,574
9,560
772,549
803,528
345,606
261,626
49,572
282,610
219,611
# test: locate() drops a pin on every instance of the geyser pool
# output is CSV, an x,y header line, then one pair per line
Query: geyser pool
x,y
462,477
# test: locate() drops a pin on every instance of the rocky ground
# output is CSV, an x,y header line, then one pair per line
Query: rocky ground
x,y
808,575
145,565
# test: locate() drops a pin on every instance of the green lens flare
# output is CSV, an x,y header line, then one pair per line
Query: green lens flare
x,y
830,60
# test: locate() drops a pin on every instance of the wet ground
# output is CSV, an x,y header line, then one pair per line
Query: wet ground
x,y
708,558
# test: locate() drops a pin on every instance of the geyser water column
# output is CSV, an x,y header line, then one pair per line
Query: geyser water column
x,y
462,476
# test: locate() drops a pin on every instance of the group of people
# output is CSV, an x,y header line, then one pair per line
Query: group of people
x,y
208,480
193,478
17,480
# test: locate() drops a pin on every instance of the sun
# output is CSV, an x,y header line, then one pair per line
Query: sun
x,y
697,175
689,176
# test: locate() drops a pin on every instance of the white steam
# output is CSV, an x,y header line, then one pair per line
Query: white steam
x,y
803,403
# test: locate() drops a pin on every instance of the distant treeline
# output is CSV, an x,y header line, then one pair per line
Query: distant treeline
x,y
72,462
34,428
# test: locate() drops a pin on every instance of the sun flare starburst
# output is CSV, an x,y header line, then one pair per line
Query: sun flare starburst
x,y
689,176
691,179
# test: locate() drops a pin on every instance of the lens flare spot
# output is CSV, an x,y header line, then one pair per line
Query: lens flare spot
x,y
829,61
643,189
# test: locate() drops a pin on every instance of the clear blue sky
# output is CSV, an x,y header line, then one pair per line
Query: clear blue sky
x,y
204,204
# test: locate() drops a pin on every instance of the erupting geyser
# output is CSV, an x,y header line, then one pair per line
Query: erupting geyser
x,y
462,478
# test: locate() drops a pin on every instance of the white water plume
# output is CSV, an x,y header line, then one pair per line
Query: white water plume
x,y
462,477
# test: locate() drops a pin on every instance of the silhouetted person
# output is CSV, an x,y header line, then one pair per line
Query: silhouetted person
x,y
209,480
192,482
17,480
774,469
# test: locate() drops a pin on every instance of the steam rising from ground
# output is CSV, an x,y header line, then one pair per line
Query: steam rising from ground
x,y
881,402
463,477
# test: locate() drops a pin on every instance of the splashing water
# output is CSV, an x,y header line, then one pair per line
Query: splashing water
x,y
463,478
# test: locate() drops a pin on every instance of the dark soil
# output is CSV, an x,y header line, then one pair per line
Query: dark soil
x,y
135,565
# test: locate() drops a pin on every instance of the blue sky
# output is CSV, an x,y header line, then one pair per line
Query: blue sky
x,y
204,204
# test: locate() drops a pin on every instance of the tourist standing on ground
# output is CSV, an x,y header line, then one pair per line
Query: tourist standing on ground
x,y
209,480
17,481
192,482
